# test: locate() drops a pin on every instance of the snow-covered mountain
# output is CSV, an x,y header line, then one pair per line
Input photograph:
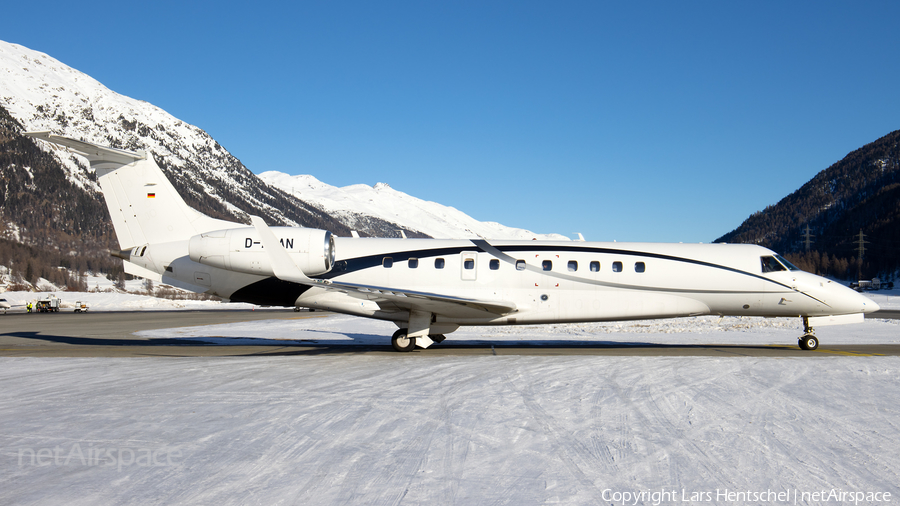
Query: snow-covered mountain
x,y
354,204
42,93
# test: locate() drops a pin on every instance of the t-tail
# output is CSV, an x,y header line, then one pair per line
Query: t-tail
x,y
144,206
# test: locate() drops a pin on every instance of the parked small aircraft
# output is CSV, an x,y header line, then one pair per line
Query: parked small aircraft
x,y
430,287
6,305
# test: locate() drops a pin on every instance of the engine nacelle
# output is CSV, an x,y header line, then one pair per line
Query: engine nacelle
x,y
240,249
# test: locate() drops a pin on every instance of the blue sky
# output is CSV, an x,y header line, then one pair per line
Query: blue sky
x,y
628,121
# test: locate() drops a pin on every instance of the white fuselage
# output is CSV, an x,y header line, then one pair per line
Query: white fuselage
x,y
588,281
547,281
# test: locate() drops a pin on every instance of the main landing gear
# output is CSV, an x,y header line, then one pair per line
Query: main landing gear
x,y
809,341
401,342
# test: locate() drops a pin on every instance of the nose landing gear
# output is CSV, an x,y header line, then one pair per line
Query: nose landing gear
x,y
809,341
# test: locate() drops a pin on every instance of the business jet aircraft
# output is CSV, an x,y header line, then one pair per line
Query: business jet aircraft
x,y
430,287
5,305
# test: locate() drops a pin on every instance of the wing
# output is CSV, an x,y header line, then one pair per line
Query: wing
x,y
447,305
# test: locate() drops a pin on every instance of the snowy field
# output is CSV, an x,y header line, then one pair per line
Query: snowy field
x,y
338,428
102,297
319,328
112,301
887,299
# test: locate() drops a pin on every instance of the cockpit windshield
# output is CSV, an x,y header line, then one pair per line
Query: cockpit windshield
x,y
776,263
769,264
784,262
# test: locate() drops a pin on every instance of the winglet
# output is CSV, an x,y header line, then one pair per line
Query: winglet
x,y
282,265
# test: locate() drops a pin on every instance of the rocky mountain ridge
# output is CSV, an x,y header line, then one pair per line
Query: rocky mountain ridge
x,y
859,193
41,93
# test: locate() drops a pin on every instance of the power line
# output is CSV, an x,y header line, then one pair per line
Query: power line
x,y
807,238
862,251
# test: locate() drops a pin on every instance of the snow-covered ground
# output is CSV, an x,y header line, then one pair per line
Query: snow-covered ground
x,y
337,428
348,330
102,297
886,299
112,301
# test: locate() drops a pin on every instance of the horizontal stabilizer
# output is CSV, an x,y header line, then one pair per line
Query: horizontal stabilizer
x,y
144,206
94,153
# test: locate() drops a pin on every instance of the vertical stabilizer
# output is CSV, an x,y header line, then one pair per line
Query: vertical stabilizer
x,y
144,206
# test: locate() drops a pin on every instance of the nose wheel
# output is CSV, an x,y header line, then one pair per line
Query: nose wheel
x,y
809,341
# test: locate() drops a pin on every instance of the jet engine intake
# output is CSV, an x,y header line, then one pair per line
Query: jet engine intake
x,y
240,249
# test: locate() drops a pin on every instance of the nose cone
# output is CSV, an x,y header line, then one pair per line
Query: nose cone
x,y
836,298
869,306
851,301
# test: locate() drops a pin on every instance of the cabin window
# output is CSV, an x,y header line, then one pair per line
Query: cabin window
x,y
438,263
639,267
469,264
520,265
169,269
387,262
547,265
769,264
495,264
617,266
413,263
572,266
595,266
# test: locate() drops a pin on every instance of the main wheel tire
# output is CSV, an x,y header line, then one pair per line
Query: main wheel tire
x,y
809,343
401,342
